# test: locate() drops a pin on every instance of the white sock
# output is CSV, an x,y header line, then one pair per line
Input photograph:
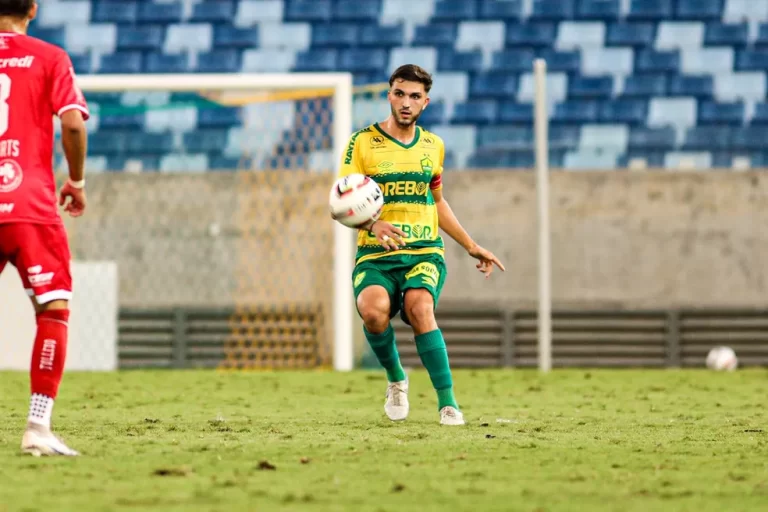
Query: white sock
x,y
40,410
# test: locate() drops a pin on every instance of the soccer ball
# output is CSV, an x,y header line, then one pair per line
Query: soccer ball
x,y
722,358
355,200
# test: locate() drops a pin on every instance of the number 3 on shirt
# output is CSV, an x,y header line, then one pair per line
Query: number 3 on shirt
x,y
5,93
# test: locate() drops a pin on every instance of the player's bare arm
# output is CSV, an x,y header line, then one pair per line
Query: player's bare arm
x,y
74,139
450,224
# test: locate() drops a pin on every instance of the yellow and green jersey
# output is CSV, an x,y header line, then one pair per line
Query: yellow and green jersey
x,y
407,174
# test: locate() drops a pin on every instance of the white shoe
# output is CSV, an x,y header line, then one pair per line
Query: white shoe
x,y
396,406
37,442
451,416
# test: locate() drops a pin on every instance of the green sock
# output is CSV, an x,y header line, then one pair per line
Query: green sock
x,y
385,348
434,356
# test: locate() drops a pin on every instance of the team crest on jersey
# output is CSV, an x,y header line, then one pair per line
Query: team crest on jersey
x,y
359,279
426,164
11,175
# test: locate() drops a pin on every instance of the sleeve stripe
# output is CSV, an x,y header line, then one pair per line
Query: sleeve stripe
x,y
73,106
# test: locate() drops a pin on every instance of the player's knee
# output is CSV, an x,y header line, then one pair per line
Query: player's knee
x,y
420,309
50,306
374,310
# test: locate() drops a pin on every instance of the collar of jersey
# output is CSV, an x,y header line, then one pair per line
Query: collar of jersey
x,y
404,146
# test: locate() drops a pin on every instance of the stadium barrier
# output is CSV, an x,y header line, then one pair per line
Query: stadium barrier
x,y
478,336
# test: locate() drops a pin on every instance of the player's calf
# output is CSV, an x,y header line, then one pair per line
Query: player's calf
x,y
374,306
420,308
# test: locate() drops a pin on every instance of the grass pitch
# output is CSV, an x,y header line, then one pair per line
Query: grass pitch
x,y
573,440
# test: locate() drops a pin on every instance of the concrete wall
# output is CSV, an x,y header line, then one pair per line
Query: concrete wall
x,y
620,239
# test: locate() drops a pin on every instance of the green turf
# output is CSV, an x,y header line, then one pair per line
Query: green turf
x,y
573,440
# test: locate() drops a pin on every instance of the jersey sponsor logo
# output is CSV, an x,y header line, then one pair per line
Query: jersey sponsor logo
x,y
351,147
417,231
9,148
405,188
428,272
377,141
17,62
359,279
6,207
10,175
428,141
37,277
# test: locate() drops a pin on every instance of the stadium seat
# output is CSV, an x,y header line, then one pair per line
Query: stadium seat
x,y
318,60
530,34
515,61
116,11
160,13
374,35
598,9
711,112
576,112
653,10
507,10
475,112
454,10
493,85
309,10
219,61
580,34
358,59
630,34
518,113
735,35
704,138
624,111
232,37
699,9
438,34
656,139
251,13
590,87
552,10
365,11
645,85
214,11
123,62
651,61
701,86
164,63
148,37
557,61
487,35
451,60
334,35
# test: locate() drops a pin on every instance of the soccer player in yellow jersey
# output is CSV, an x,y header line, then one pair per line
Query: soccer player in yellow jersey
x,y
399,263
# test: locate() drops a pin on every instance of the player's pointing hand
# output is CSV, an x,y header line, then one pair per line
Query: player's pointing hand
x,y
487,260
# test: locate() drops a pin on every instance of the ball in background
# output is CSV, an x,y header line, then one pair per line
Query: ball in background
x,y
355,200
722,359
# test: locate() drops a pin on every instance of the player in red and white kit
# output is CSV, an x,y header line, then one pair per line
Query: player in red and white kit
x,y
37,81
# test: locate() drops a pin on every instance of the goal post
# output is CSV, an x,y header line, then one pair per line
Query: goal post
x,y
541,122
264,89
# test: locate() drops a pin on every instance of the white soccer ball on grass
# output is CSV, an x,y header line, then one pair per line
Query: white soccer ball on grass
x,y
722,359
355,200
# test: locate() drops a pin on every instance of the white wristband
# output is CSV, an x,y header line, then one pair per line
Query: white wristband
x,y
77,184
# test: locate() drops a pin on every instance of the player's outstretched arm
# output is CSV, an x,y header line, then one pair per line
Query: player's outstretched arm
x,y
450,224
74,139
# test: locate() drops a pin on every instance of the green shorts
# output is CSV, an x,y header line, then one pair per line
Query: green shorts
x,y
398,273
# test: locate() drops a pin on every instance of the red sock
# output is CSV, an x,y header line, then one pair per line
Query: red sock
x,y
50,352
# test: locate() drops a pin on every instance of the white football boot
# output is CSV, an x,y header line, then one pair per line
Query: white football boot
x,y
396,405
451,416
39,441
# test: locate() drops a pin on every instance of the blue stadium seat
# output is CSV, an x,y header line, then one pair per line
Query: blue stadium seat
x,y
698,86
645,85
123,62
631,34
82,64
455,10
598,10
590,87
751,60
149,143
206,141
318,60
495,10
552,10
652,61
560,61
650,10
658,139
699,9
358,10
433,115
705,138
375,35
505,137
334,35
106,143
219,117
749,138
762,36
576,112
722,34
151,12
55,36
530,34
116,11
225,36
164,63
711,112
219,61
493,85
518,113
148,37
624,111
216,11
438,34
359,59
477,112
450,60
515,60
564,137
121,121
760,116
308,10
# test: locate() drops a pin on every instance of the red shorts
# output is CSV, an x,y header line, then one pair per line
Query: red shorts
x,y
40,253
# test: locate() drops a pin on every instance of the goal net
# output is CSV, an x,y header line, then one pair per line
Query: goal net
x,y
218,211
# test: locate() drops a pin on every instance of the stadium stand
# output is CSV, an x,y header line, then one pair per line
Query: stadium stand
x,y
657,81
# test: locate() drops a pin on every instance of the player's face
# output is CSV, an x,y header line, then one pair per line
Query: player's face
x,y
407,100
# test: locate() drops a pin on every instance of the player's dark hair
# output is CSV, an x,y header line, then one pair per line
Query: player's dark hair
x,y
412,73
16,8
